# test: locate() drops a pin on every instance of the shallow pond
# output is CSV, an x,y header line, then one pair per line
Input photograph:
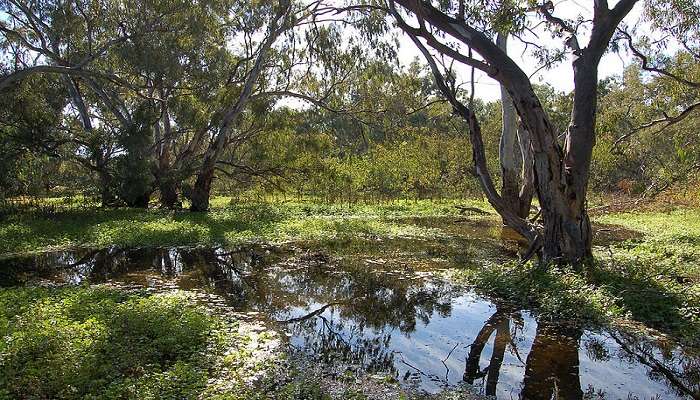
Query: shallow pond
x,y
378,306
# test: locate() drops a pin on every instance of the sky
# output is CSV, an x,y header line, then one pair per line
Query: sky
x,y
561,76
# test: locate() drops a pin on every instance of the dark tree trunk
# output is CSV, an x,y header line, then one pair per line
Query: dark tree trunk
x,y
168,186
107,198
141,201
567,227
168,193
199,196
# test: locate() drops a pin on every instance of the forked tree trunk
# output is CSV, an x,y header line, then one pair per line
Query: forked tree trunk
x,y
560,174
566,232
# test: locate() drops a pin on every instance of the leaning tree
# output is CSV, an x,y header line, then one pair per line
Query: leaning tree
x,y
463,32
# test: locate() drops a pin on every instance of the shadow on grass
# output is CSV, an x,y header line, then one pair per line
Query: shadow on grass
x,y
86,342
634,277
226,226
652,293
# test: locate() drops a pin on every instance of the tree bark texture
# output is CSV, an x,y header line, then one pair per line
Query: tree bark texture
x,y
515,154
560,174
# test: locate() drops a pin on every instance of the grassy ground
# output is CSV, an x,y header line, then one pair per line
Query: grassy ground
x,y
648,276
101,342
227,223
652,279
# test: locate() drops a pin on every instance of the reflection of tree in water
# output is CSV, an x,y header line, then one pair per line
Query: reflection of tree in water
x,y
362,308
67,266
552,365
666,362
352,310
499,322
332,340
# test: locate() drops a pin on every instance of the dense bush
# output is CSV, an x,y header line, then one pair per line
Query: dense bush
x,y
100,343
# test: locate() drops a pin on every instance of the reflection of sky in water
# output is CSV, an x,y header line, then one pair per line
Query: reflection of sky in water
x,y
388,300
427,347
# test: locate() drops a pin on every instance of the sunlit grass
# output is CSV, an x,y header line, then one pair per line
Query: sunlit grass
x,y
227,223
95,342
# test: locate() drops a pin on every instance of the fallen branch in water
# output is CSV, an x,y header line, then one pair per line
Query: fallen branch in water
x,y
310,315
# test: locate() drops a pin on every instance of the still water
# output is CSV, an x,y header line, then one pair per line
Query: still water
x,y
383,309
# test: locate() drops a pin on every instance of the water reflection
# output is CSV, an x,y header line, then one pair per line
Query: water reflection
x,y
500,322
387,316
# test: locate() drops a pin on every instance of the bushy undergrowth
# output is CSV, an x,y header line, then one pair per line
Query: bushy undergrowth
x,y
102,343
554,293
227,223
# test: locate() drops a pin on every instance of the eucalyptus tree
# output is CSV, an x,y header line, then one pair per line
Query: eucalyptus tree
x,y
287,50
65,38
272,21
115,59
463,32
183,69
119,58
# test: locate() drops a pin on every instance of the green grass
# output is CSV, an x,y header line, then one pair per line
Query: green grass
x,y
82,342
657,277
652,279
225,224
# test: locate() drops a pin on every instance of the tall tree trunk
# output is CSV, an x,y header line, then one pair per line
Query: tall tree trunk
x,y
199,195
527,176
507,155
514,153
167,183
567,227
105,178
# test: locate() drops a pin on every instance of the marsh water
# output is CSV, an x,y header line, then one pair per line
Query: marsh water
x,y
384,307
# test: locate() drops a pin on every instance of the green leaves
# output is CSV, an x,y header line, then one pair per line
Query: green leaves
x,y
101,343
